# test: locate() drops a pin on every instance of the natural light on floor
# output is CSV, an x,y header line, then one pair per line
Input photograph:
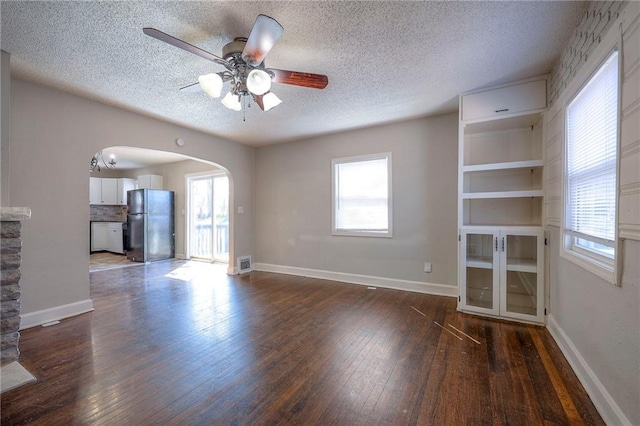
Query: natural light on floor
x,y
193,268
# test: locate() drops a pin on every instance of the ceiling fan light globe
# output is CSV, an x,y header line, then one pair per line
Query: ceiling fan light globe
x,y
258,82
270,100
211,84
232,101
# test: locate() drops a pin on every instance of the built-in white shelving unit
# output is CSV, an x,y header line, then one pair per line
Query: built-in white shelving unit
x,y
500,201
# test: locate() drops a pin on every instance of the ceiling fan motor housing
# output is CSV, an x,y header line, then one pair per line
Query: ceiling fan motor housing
x,y
234,49
232,53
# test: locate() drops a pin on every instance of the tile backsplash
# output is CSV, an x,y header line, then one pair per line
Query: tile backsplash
x,y
108,213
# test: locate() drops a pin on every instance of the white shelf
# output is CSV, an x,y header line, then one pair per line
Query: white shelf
x,y
504,166
503,194
500,123
501,200
480,262
522,265
513,264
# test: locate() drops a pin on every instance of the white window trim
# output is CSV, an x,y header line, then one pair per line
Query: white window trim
x,y
355,233
604,269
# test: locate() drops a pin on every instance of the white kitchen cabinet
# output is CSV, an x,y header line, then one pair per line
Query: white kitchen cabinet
x,y
114,239
500,202
107,236
95,190
124,185
103,191
507,100
99,236
150,182
109,191
501,272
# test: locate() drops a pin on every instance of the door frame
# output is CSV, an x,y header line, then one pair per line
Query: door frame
x,y
187,221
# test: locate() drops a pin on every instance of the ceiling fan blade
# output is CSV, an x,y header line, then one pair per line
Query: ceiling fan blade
x,y
258,100
295,78
265,33
192,88
185,46
267,101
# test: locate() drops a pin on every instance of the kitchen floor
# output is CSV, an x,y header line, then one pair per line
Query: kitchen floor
x,y
104,260
101,261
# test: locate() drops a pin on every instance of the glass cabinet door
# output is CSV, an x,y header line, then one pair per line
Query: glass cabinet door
x,y
479,274
521,278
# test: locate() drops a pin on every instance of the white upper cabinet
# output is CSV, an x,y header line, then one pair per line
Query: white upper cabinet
x,y
124,185
109,191
514,99
95,190
150,182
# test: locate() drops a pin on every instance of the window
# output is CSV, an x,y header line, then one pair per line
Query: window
x,y
591,170
361,193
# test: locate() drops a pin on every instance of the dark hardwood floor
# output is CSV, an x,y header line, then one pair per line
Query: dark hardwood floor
x,y
182,343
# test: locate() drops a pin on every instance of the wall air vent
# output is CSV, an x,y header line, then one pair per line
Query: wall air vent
x,y
245,264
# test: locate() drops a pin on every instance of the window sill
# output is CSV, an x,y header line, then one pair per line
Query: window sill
x,y
600,269
369,234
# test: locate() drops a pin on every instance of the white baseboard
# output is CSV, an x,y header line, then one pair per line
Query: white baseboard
x,y
34,319
415,286
603,401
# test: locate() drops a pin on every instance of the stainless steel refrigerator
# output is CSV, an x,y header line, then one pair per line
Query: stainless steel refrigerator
x,y
150,225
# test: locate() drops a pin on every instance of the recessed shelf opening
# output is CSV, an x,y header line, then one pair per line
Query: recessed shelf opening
x,y
505,180
525,211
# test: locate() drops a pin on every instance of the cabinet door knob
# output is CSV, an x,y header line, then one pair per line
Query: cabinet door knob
x,y
502,110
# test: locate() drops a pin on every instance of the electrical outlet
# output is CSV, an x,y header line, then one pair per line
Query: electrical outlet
x,y
427,267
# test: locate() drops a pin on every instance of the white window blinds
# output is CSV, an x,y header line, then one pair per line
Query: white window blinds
x,y
362,195
592,133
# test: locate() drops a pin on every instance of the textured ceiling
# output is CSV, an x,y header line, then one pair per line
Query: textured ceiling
x,y
386,61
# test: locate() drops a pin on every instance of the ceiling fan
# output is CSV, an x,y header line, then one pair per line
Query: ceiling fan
x,y
243,59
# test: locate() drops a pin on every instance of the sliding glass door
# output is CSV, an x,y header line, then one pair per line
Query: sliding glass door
x,y
209,217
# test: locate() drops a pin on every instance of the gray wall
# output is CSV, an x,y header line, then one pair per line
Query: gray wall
x,y
53,136
596,323
293,198
5,94
602,322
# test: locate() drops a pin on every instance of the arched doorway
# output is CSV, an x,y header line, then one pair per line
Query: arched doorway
x,y
132,163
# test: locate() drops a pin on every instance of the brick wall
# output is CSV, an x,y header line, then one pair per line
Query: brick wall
x,y
599,16
108,213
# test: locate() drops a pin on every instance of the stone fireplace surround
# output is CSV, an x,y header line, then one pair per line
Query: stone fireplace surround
x,y
12,373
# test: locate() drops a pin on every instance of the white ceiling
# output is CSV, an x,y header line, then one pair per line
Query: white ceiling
x,y
136,158
386,61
